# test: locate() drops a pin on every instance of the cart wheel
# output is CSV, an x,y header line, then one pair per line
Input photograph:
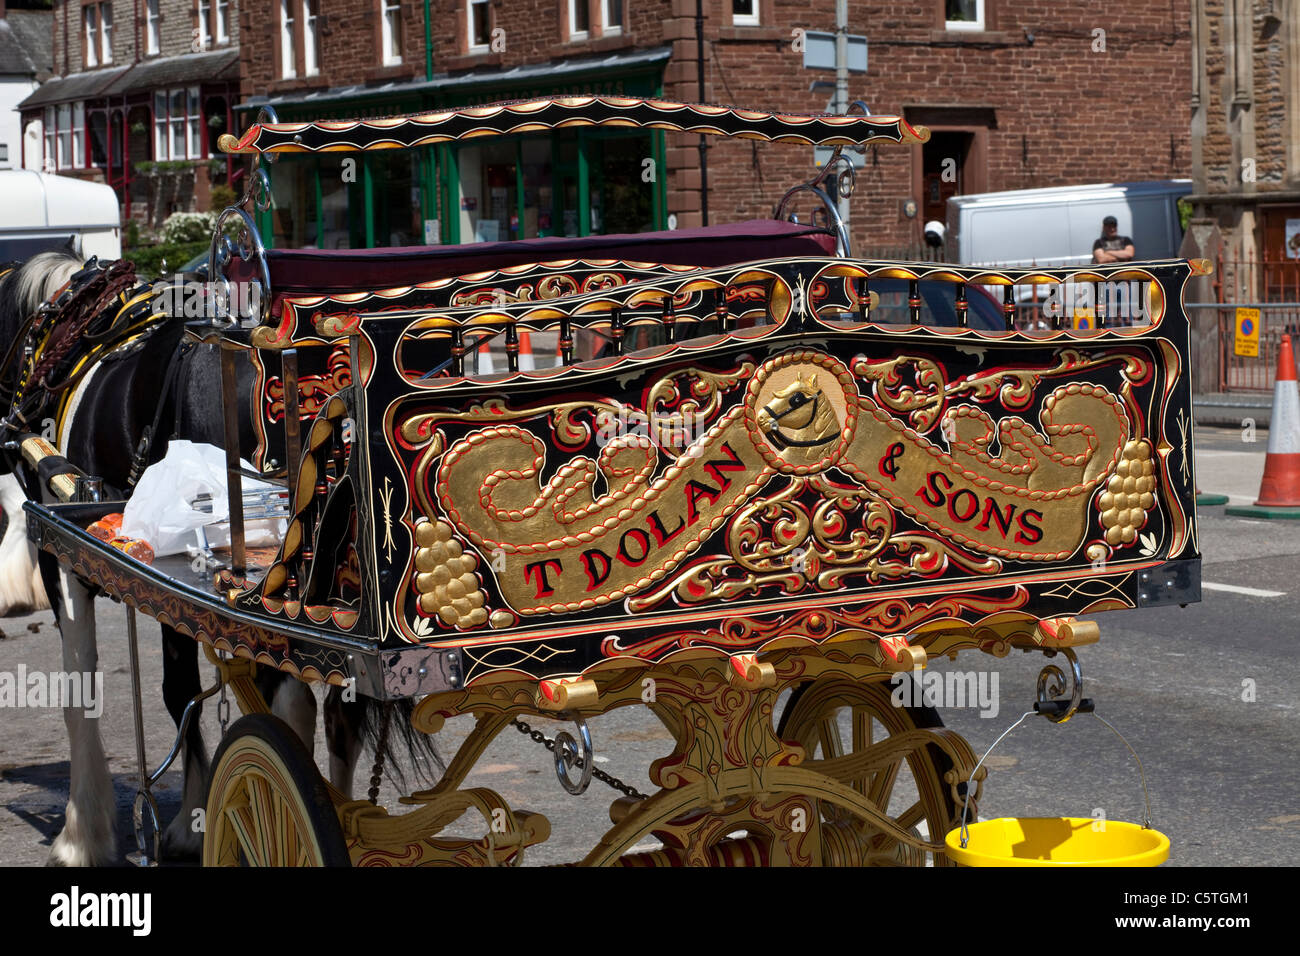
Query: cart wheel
x,y
267,803
909,791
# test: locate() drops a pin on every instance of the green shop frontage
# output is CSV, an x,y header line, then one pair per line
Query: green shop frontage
x,y
573,182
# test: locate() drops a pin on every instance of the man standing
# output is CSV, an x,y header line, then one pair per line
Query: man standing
x,y
1112,247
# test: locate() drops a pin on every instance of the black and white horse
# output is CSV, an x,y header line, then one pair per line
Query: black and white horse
x,y
99,432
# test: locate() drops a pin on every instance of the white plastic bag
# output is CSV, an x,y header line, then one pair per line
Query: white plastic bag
x,y
159,511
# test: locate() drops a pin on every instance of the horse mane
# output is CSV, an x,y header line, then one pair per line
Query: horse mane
x,y
24,290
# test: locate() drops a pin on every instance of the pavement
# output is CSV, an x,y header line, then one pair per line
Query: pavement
x,y
1208,696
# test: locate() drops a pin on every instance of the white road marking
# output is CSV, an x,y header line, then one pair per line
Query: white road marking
x,y
1238,589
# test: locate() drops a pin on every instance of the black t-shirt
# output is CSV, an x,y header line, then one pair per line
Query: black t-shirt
x,y
1113,244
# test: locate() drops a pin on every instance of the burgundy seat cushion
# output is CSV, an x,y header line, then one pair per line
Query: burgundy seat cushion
x,y
305,271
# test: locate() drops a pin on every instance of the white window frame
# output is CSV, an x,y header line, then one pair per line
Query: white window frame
x,y
310,57
90,24
390,14
574,32
49,161
187,124
205,29
606,28
153,28
65,136
747,19
975,25
223,21
106,33
469,26
288,54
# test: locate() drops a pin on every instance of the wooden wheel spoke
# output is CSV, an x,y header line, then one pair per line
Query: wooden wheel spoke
x,y
244,826
911,816
887,756
832,746
882,785
267,803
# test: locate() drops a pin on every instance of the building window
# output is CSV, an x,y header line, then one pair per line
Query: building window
x,y
288,65
48,164
744,12
205,32
177,124
311,43
223,21
106,33
964,14
65,131
480,28
391,31
91,44
153,32
611,12
579,20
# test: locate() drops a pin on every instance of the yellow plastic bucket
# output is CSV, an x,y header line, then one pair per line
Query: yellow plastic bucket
x,y
1058,841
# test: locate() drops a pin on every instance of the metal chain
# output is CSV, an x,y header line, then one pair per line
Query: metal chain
x,y
549,744
223,704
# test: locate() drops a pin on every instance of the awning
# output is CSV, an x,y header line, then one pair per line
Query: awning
x,y
73,87
177,71
156,74
536,79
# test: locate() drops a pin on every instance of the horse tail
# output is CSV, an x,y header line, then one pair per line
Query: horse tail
x,y
409,756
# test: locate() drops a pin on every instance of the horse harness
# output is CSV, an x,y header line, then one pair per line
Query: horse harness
x,y
63,340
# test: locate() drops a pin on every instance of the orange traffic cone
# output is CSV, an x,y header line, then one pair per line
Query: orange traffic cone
x,y
526,362
1279,492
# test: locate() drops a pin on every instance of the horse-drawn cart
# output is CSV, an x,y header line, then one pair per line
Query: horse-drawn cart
x,y
726,475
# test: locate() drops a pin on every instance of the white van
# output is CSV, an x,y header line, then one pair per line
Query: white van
x,y
1057,226
39,211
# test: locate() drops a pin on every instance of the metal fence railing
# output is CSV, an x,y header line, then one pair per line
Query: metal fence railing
x,y
1269,284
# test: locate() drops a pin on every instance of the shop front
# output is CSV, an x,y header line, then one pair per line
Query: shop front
x,y
559,183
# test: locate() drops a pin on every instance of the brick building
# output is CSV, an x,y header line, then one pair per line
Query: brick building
x,y
140,91
1018,94
1246,144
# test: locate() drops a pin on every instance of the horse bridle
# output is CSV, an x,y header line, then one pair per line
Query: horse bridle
x,y
781,441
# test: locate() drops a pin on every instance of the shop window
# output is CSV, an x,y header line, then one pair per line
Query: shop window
x,y
480,25
964,14
293,203
530,188
398,220
744,13
391,31
153,27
